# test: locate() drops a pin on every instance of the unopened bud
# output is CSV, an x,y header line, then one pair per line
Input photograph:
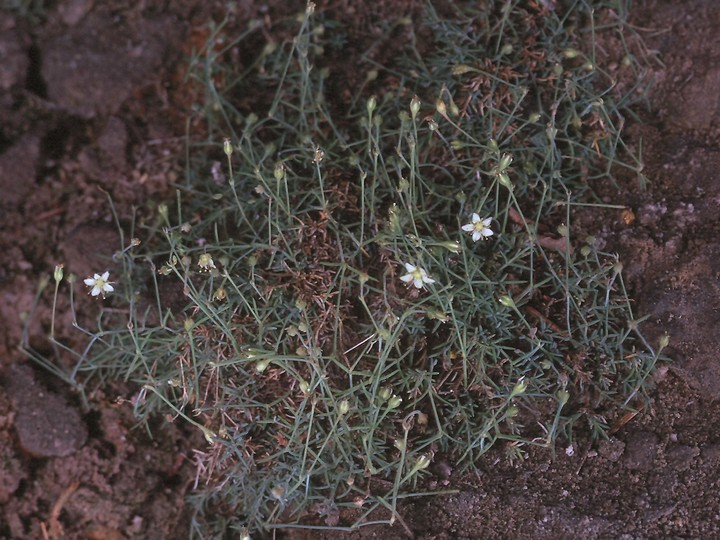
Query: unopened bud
x,y
394,402
279,171
506,301
262,365
519,388
278,491
58,274
220,294
163,211
440,107
451,245
505,162
414,106
504,181
462,69
423,462
227,147
438,315
371,104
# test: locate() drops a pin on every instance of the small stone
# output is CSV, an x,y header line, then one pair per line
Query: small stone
x,y
681,456
641,450
46,425
611,449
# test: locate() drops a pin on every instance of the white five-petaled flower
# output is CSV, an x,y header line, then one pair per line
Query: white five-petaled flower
x,y
480,228
418,276
100,284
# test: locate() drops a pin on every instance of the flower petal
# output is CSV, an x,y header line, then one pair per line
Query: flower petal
x,y
407,278
89,282
105,276
108,288
470,227
410,268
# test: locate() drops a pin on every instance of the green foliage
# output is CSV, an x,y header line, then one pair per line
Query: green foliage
x,y
320,379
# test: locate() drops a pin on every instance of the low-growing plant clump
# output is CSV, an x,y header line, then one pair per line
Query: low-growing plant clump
x,y
352,283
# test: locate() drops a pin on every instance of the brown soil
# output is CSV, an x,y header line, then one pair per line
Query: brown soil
x,y
90,104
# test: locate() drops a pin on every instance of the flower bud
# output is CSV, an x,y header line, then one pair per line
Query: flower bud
x,y
343,407
279,171
394,402
504,181
371,104
519,388
440,107
571,53
414,106
506,301
423,462
163,211
220,294
505,162
451,245
227,147
462,69
262,365
58,274
437,315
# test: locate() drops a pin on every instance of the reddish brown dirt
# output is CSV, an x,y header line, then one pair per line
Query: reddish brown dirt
x,y
89,104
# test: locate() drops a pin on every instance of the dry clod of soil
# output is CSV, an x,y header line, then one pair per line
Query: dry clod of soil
x,y
641,450
45,423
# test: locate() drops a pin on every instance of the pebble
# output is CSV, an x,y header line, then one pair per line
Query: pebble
x,y
45,423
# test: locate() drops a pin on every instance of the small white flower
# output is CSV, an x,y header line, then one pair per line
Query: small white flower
x,y
100,284
480,228
417,275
